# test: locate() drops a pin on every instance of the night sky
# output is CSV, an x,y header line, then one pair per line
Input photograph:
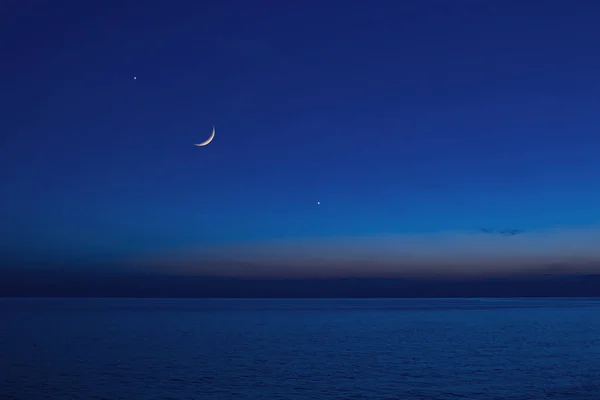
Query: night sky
x,y
370,139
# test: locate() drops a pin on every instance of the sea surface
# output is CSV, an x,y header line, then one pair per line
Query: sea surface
x,y
529,349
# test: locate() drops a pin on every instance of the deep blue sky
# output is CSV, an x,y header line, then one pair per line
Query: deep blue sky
x,y
400,118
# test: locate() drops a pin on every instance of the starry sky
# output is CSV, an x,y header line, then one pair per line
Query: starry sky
x,y
352,138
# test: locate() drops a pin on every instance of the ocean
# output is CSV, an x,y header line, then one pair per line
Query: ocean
x,y
405,349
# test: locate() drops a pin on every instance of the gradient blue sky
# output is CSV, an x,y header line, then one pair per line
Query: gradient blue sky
x,y
408,120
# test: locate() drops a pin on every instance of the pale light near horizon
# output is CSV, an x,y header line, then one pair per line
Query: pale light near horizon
x,y
567,249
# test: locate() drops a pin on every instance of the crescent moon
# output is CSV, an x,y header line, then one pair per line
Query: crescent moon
x,y
207,141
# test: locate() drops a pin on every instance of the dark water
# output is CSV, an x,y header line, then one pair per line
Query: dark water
x,y
300,349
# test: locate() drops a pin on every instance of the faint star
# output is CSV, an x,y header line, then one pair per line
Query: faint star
x,y
135,77
318,202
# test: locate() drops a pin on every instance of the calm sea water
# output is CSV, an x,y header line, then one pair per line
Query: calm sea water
x,y
528,349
